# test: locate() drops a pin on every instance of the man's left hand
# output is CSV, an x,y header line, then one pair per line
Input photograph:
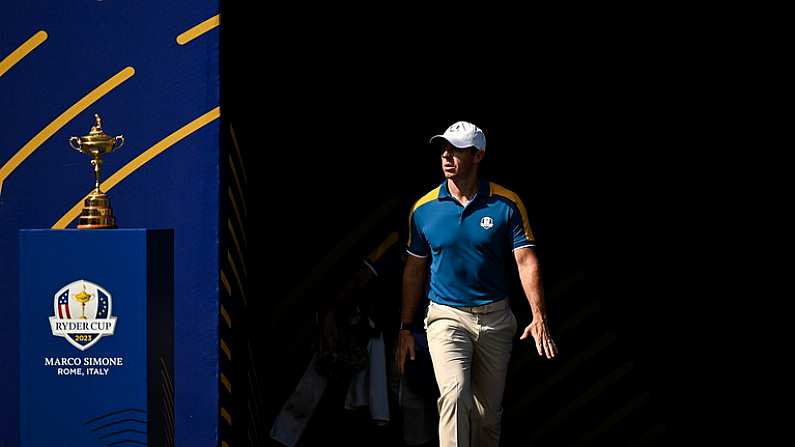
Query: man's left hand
x,y
544,344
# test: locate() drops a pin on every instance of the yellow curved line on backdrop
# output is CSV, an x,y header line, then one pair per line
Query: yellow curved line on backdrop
x,y
199,29
141,160
61,121
23,50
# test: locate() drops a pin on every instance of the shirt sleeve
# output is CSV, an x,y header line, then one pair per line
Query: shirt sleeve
x,y
417,244
520,227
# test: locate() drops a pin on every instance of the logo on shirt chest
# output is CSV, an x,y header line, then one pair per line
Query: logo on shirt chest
x,y
487,222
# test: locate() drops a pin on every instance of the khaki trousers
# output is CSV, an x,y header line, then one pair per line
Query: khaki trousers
x,y
470,349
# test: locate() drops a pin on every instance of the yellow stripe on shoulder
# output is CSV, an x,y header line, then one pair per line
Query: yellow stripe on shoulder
x,y
432,195
510,195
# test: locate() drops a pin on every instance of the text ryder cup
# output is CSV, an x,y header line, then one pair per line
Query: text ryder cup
x,y
84,327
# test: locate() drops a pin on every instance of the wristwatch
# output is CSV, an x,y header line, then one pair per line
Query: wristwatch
x,y
405,326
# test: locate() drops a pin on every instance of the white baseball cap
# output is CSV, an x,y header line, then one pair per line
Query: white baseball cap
x,y
463,134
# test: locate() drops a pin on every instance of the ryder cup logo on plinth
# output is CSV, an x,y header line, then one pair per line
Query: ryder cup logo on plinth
x,y
82,314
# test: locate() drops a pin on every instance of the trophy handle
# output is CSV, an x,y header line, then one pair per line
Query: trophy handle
x,y
120,138
72,143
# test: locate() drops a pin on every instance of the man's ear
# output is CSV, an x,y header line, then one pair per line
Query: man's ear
x,y
479,156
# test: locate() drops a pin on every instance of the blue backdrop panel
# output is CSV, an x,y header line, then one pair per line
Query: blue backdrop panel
x,y
88,388
168,86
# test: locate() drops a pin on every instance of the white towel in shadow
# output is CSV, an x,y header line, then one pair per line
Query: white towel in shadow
x,y
368,387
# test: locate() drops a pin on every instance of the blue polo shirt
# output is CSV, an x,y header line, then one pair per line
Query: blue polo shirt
x,y
470,246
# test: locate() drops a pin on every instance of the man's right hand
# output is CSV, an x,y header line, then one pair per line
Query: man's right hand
x,y
406,345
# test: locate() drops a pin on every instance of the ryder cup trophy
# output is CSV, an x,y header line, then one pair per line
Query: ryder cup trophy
x,y
97,212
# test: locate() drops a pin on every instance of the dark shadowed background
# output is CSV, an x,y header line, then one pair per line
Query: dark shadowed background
x,y
332,125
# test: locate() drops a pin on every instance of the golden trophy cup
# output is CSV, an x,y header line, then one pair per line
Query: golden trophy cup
x,y
97,212
83,298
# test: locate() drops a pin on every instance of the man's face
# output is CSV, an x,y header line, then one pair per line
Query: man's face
x,y
459,163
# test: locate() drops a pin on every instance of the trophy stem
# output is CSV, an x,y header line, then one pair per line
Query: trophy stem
x,y
97,163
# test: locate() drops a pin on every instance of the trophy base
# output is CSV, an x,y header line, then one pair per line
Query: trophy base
x,y
97,213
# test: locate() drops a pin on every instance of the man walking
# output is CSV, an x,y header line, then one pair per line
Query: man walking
x,y
469,227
